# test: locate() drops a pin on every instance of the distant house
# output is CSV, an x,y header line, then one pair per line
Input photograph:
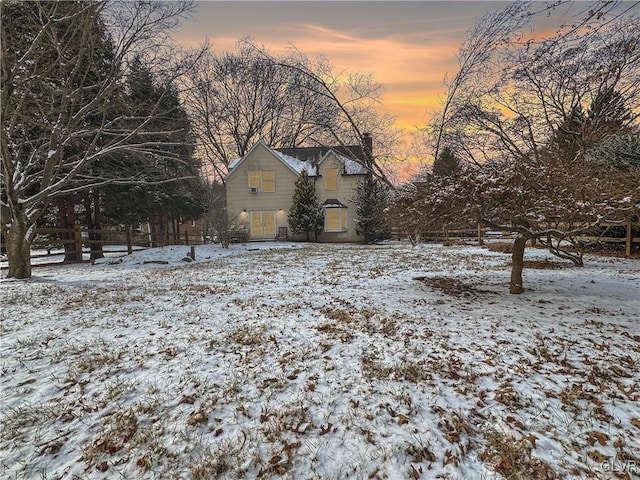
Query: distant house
x,y
260,188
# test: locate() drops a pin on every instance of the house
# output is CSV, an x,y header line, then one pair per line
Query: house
x,y
260,188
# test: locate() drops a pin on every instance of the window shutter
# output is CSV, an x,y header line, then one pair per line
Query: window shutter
x,y
255,179
268,181
331,179
332,219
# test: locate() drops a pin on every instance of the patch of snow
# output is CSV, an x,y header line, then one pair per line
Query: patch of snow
x,y
284,360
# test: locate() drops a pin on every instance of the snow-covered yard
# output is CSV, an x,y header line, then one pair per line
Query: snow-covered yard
x,y
322,361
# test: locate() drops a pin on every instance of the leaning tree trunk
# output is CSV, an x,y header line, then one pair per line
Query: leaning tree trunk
x,y
19,239
517,265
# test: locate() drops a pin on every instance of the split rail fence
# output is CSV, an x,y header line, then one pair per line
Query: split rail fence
x,y
630,239
75,242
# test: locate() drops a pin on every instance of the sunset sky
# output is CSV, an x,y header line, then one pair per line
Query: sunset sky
x,y
409,46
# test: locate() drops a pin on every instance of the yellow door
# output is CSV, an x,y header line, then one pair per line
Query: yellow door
x,y
263,224
269,224
256,224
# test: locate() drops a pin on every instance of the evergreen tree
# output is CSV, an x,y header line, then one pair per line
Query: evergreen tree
x,y
618,152
581,131
446,163
164,203
607,115
371,200
306,215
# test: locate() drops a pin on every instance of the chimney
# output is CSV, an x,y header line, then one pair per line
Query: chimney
x,y
367,143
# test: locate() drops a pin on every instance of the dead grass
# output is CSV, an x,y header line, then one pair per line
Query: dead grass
x,y
119,432
545,264
500,247
448,286
512,457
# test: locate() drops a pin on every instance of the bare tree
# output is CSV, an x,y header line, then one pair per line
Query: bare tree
x,y
57,92
352,97
288,101
525,127
238,98
492,33
491,44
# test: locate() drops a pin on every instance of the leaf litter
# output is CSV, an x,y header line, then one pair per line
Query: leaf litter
x,y
321,361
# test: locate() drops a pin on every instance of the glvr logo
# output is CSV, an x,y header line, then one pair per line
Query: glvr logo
x,y
620,466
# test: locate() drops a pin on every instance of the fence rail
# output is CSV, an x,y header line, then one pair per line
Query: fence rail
x,y
481,234
75,242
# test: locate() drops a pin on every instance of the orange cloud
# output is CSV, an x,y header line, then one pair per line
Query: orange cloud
x,y
411,65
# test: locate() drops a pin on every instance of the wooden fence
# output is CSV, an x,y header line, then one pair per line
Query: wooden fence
x,y
74,242
480,235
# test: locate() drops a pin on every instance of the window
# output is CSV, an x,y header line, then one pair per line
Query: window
x,y
331,179
268,181
262,181
255,179
335,220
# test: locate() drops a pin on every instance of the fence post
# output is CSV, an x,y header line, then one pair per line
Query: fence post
x,y
186,238
129,241
630,247
77,242
192,254
480,240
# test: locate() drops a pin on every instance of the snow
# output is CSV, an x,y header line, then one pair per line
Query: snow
x,y
285,360
351,166
295,164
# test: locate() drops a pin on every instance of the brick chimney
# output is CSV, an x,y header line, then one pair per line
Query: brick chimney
x,y
367,142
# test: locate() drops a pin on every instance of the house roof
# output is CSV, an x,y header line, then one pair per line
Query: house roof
x,y
351,166
315,154
308,158
296,164
292,163
333,203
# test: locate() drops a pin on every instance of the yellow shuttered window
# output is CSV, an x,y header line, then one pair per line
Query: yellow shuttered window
x,y
268,181
269,224
332,219
255,179
262,181
335,220
331,179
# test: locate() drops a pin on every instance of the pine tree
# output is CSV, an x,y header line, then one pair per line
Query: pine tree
x,y
371,200
172,158
306,215
446,163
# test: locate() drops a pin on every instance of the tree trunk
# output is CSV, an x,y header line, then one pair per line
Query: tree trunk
x,y
517,265
19,239
67,220
94,223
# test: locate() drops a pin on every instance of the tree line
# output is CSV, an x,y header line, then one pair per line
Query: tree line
x,y
106,122
92,125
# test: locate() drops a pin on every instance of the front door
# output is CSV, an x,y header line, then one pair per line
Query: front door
x,y
263,224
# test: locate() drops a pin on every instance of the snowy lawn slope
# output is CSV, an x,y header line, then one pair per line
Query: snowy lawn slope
x,y
322,361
